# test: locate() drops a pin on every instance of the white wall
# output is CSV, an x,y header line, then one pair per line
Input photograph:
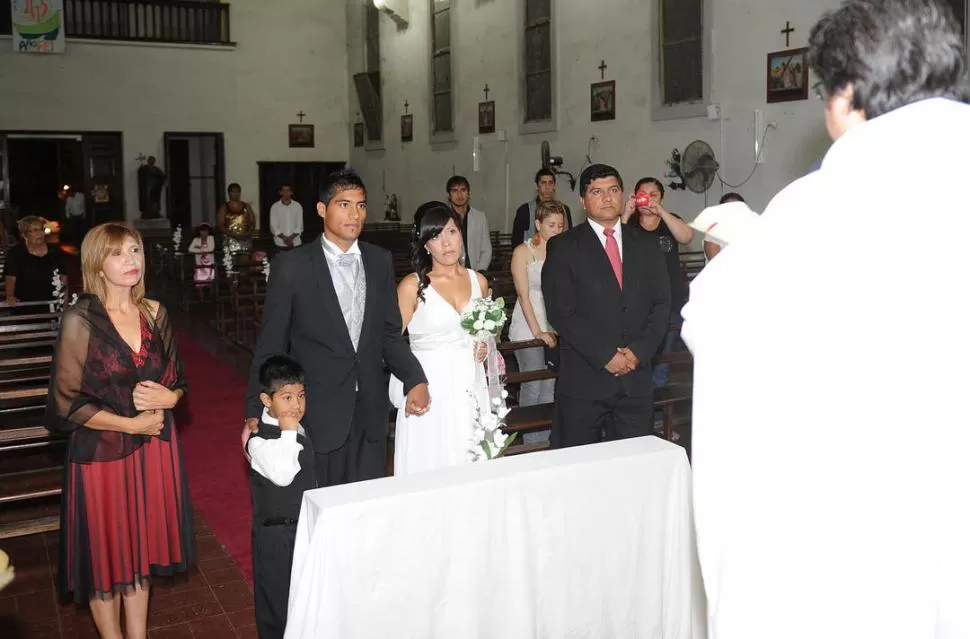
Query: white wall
x,y
288,58
486,36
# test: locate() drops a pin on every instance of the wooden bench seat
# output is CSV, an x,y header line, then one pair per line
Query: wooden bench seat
x,y
47,523
666,398
17,363
27,437
23,393
28,485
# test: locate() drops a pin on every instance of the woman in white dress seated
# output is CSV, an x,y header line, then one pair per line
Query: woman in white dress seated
x,y
432,300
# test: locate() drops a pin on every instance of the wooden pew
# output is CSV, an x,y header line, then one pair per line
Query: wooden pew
x,y
29,456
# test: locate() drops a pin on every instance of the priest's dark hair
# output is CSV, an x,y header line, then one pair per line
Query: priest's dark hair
x,y
430,220
730,197
278,371
343,180
233,186
892,53
597,172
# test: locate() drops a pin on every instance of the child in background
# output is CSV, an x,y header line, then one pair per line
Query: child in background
x,y
281,469
203,245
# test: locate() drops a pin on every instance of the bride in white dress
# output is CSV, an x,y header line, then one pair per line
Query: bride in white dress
x,y
432,300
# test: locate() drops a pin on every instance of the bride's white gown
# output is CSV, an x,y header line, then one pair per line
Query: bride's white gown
x,y
441,437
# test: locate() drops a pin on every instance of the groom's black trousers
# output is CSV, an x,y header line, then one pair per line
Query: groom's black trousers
x,y
357,459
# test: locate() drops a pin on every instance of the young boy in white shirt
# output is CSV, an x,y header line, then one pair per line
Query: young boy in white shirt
x,y
281,468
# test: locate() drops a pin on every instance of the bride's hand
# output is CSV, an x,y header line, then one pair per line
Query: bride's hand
x,y
481,351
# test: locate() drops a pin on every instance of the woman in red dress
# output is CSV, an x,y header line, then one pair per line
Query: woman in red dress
x,y
125,513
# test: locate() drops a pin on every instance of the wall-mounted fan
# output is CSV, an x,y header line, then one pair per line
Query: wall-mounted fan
x,y
696,167
554,162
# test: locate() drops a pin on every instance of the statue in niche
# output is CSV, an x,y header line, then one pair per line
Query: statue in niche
x,y
151,181
390,209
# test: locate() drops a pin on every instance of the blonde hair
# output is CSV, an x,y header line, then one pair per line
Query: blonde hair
x,y
545,209
24,223
98,244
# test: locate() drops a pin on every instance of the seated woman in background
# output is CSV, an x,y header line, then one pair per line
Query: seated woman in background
x,y
203,245
30,266
125,511
711,246
529,316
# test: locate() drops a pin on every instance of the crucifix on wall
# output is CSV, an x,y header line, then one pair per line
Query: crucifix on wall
x,y
602,68
787,31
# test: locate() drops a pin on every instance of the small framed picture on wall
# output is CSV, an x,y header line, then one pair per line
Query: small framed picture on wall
x,y
301,136
787,76
407,127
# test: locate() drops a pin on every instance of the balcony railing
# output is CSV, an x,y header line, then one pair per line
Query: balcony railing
x,y
174,21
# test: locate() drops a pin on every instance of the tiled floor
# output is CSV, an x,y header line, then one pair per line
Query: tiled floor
x,y
214,601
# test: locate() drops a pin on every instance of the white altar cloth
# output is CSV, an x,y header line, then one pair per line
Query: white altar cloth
x,y
595,541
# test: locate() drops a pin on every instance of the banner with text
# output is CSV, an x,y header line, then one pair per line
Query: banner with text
x,y
38,26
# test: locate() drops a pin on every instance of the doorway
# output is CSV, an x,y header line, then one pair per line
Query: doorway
x,y
305,179
39,168
38,164
194,164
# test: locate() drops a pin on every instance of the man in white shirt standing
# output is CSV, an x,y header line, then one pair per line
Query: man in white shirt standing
x,y
286,219
74,214
830,482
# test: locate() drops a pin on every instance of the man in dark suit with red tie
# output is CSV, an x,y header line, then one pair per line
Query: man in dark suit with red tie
x,y
607,295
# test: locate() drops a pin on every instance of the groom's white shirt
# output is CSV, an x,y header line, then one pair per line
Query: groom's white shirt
x,y
831,409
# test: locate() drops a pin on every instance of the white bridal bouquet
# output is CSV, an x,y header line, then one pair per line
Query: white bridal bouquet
x,y
485,319
484,322
488,441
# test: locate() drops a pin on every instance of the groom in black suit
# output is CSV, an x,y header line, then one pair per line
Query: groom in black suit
x,y
331,305
607,295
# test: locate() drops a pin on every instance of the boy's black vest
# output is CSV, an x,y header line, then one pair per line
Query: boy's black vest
x,y
274,504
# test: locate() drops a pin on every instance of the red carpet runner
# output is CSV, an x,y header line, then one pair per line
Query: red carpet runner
x,y
210,423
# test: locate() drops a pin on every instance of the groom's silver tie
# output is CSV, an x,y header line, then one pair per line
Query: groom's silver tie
x,y
352,294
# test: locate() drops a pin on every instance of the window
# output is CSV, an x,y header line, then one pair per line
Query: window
x,y
441,93
372,36
370,100
682,67
538,60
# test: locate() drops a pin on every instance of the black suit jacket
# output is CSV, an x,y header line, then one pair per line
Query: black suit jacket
x,y
302,319
594,317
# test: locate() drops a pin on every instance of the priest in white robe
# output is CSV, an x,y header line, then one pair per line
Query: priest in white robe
x,y
831,445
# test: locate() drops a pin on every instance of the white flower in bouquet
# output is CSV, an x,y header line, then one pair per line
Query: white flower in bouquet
x,y
227,261
266,267
58,289
487,440
73,300
177,238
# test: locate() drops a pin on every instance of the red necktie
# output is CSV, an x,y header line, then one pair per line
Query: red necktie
x,y
613,253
